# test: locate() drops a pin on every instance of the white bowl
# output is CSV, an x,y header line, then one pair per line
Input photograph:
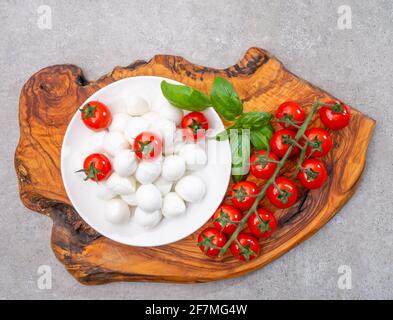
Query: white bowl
x,y
82,194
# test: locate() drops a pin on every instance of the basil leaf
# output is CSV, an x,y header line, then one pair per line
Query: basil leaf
x,y
222,136
239,141
260,137
225,100
252,120
185,97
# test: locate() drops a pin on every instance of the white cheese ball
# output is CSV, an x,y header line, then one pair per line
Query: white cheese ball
x,y
194,156
130,199
191,188
173,168
114,142
117,211
121,185
136,105
173,205
119,122
134,127
125,163
167,131
96,142
167,111
163,185
152,117
104,192
148,198
147,219
148,171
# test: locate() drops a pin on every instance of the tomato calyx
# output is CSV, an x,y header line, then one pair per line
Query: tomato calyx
x,y
196,126
207,243
88,111
263,225
91,172
145,148
311,174
263,160
288,121
240,194
283,195
316,145
245,251
223,219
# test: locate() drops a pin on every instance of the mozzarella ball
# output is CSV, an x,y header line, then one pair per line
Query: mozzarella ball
x,y
136,105
117,211
114,142
148,197
119,122
173,168
147,219
96,142
167,131
163,185
167,111
191,188
152,117
148,171
194,156
130,199
121,185
104,192
134,127
173,205
125,163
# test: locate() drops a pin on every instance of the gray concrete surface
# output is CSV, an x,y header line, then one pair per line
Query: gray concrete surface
x,y
355,65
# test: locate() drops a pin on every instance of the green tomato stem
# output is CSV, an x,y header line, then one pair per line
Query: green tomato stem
x,y
271,181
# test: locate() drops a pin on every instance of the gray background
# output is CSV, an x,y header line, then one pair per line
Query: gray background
x,y
355,65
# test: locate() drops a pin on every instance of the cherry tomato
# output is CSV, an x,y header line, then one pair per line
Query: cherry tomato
x,y
96,115
281,141
243,194
286,194
245,247
210,240
259,165
147,146
226,218
263,226
288,112
313,174
194,126
335,117
97,167
321,142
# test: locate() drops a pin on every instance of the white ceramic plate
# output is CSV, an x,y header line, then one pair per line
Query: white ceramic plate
x,y
76,145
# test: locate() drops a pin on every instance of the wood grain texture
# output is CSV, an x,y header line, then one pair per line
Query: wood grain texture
x,y
50,98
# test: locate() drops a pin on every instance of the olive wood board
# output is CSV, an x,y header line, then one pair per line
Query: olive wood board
x,y
50,98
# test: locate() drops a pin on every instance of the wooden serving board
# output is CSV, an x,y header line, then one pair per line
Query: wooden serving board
x,y
50,98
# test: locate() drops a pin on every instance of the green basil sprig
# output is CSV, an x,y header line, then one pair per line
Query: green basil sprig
x,y
260,137
225,99
252,120
185,97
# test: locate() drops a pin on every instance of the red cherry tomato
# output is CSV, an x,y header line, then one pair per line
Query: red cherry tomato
x,y
259,165
194,125
288,112
335,117
313,174
281,141
243,194
321,142
263,226
226,218
147,146
97,167
245,247
96,115
285,195
210,240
